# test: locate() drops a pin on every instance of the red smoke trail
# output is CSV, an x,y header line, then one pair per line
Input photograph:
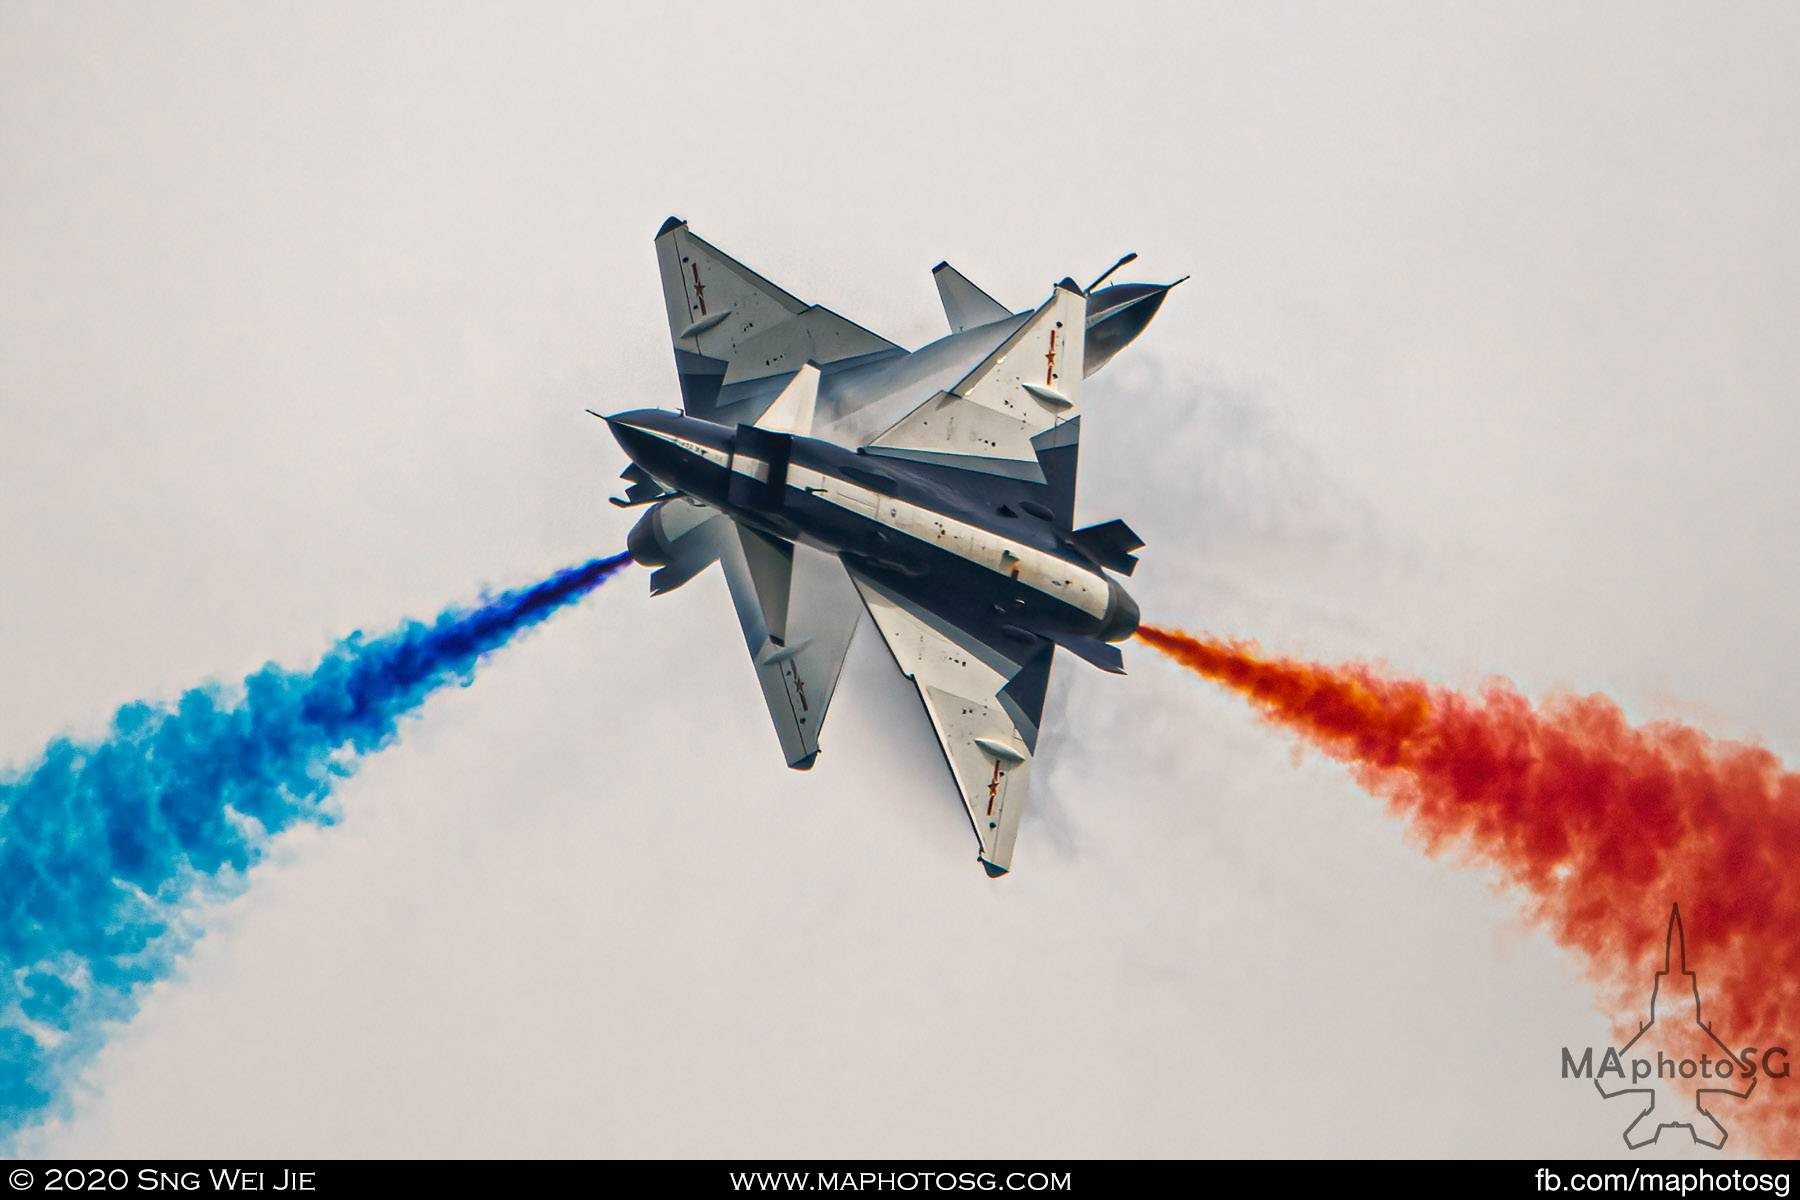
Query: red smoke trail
x,y
1602,825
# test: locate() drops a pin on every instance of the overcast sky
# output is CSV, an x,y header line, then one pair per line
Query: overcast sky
x,y
1487,366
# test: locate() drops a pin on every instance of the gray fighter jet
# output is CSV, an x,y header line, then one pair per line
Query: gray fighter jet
x,y
831,471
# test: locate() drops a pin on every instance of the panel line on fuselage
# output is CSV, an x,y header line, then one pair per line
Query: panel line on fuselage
x,y
1059,578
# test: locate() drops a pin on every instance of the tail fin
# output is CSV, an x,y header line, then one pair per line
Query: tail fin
x,y
1028,387
965,305
1110,544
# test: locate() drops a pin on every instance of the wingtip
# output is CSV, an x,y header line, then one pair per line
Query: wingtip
x,y
942,266
994,870
671,223
1069,285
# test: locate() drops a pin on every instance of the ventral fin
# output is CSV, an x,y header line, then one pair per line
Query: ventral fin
x,y
793,409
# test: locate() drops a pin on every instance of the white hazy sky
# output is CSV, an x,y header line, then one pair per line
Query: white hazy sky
x,y
1487,366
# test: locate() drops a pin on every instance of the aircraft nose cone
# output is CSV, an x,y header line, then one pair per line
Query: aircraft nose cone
x,y
1115,317
633,434
623,423
679,452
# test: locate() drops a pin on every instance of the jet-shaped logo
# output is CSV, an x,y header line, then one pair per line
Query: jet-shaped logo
x,y
1676,1061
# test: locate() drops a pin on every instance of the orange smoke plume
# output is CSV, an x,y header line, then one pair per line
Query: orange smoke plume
x,y
1602,826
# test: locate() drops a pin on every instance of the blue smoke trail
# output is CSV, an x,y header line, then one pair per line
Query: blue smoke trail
x,y
104,847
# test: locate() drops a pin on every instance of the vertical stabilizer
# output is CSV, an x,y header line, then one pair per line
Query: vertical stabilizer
x,y
793,409
965,305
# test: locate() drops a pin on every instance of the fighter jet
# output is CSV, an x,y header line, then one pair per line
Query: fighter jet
x,y
831,472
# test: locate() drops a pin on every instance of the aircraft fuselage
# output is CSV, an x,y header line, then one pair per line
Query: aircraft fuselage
x,y
903,526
